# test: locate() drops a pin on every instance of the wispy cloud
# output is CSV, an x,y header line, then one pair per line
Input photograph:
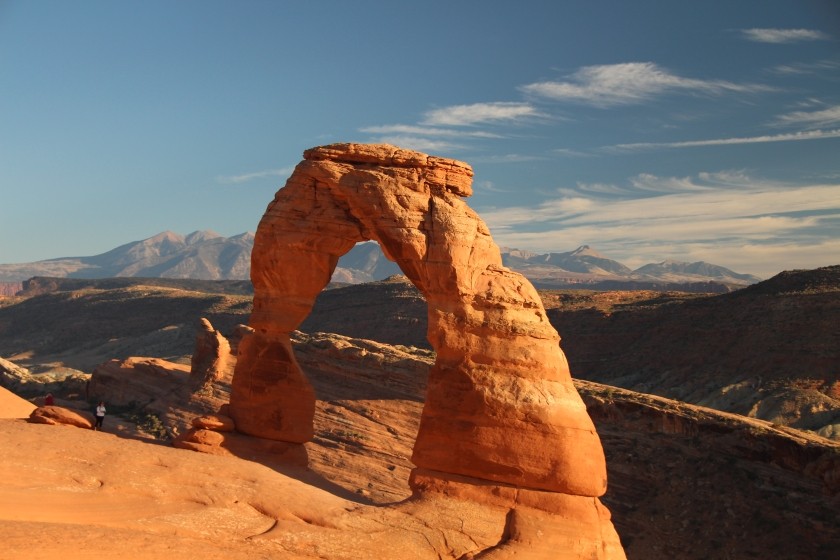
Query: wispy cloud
x,y
506,158
652,183
439,130
825,68
647,184
768,35
736,224
811,119
480,113
490,186
419,143
567,152
789,137
627,83
427,131
246,177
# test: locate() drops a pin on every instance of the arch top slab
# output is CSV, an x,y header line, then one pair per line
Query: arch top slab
x,y
441,174
500,404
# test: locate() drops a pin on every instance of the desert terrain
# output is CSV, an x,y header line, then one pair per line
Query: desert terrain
x,y
685,480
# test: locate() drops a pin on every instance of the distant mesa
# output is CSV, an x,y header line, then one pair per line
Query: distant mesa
x,y
678,271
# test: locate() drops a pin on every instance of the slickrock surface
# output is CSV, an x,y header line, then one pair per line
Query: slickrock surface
x,y
82,494
12,406
685,482
499,393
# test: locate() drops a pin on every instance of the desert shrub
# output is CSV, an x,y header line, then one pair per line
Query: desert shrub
x,y
149,423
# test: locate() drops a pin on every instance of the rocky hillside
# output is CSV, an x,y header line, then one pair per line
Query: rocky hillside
x,y
684,481
206,255
8,289
81,328
769,351
391,311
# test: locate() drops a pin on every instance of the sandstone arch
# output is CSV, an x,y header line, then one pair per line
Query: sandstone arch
x,y
500,405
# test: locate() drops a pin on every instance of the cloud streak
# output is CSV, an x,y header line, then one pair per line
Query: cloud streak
x,y
438,131
701,218
812,119
419,143
247,177
480,113
627,83
779,36
825,68
788,137
415,130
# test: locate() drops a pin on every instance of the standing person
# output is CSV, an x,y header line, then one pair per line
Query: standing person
x,y
100,415
49,400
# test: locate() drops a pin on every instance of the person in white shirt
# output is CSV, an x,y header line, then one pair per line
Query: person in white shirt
x,y
100,415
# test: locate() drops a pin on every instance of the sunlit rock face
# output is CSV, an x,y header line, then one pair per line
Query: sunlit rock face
x,y
211,355
500,405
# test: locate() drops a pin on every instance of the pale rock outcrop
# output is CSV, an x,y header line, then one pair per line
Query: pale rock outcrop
x,y
500,405
61,381
211,356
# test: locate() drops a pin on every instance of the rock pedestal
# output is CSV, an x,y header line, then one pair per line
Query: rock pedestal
x,y
500,405
211,355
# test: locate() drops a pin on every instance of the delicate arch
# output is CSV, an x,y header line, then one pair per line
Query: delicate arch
x,y
500,404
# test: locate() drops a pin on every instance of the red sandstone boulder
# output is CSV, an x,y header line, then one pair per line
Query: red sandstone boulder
x,y
216,422
59,415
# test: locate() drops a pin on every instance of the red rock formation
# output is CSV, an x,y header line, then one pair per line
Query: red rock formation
x,y
500,405
217,422
211,355
137,380
59,415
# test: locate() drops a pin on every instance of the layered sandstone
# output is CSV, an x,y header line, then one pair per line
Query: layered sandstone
x,y
500,404
211,355
138,380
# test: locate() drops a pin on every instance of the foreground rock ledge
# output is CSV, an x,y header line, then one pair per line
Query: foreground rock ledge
x,y
500,405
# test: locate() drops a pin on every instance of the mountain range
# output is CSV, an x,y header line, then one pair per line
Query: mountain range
x,y
206,255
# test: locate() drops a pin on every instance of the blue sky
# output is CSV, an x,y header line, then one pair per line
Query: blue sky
x,y
648,129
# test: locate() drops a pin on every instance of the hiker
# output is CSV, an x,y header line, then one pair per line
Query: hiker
x,y
100,415
49,400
